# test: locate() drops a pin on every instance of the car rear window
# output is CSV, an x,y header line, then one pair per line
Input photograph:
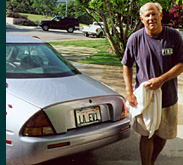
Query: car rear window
x,y
36,61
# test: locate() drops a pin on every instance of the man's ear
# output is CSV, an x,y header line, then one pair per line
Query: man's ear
x,y
161,14
141,19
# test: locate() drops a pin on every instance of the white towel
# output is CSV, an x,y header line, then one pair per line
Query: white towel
x,y
148,109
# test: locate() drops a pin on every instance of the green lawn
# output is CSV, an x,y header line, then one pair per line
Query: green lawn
x,y
35,18
102,57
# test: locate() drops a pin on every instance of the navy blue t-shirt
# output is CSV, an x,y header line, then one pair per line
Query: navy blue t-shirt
x,y
154,57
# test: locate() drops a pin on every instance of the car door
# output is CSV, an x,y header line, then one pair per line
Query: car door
x,y
55,23
63,23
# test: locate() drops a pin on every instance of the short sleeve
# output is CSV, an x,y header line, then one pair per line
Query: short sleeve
x,y
128,58
178,47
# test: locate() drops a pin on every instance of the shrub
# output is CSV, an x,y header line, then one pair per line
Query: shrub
x,y
176,14
16,15
28,23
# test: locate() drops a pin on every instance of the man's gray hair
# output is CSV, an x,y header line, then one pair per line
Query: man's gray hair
x,y
158,6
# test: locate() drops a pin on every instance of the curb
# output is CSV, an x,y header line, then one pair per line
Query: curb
x,y
21,27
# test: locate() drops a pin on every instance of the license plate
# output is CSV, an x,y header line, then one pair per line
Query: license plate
x,y
87,116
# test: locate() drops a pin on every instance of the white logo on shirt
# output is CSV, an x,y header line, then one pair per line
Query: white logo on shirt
x,y
167,52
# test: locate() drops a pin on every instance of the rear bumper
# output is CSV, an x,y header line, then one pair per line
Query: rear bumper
x,y
89,33
36,150
77,28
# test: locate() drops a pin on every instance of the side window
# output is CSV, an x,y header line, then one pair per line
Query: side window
x,y
11,54
27,50
57,19
22,57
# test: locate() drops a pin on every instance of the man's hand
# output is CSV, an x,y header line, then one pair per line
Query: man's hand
x,y
132,99
154,83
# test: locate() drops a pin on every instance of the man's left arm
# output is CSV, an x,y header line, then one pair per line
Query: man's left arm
x,y
156,83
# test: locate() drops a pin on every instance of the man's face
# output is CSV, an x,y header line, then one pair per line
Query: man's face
x,y
151,18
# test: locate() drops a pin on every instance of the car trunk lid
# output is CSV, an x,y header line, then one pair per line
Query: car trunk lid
x,y
44,92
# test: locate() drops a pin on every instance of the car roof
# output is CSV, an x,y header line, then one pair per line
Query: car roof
x,y
16,38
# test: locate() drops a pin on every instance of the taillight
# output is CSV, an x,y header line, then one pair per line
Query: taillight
x,y
38,125
123,111
96,30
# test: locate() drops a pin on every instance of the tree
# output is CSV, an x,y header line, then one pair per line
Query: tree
x,y
45,7
122,16
71,9
74,11
18,5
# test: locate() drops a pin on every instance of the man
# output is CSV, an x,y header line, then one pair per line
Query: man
x,y
158,53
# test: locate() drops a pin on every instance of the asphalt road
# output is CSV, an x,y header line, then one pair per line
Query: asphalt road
x,y
51,35
125,152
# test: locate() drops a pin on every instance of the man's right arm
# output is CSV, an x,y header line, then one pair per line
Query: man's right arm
x,y
128,74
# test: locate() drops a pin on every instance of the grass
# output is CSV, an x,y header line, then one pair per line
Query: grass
x,y
35,18
101,58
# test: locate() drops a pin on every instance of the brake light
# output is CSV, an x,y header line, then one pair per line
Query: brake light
x,y
123,111
96,30
8,142
38,125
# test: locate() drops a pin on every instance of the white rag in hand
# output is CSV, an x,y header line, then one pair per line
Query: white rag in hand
x,y
146,116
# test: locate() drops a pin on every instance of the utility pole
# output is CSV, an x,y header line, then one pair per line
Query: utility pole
x,y
66,9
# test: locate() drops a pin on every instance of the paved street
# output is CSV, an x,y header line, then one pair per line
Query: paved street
x,y
51,35
125,152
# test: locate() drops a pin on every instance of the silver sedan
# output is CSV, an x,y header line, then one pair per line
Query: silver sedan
x,y
54,110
